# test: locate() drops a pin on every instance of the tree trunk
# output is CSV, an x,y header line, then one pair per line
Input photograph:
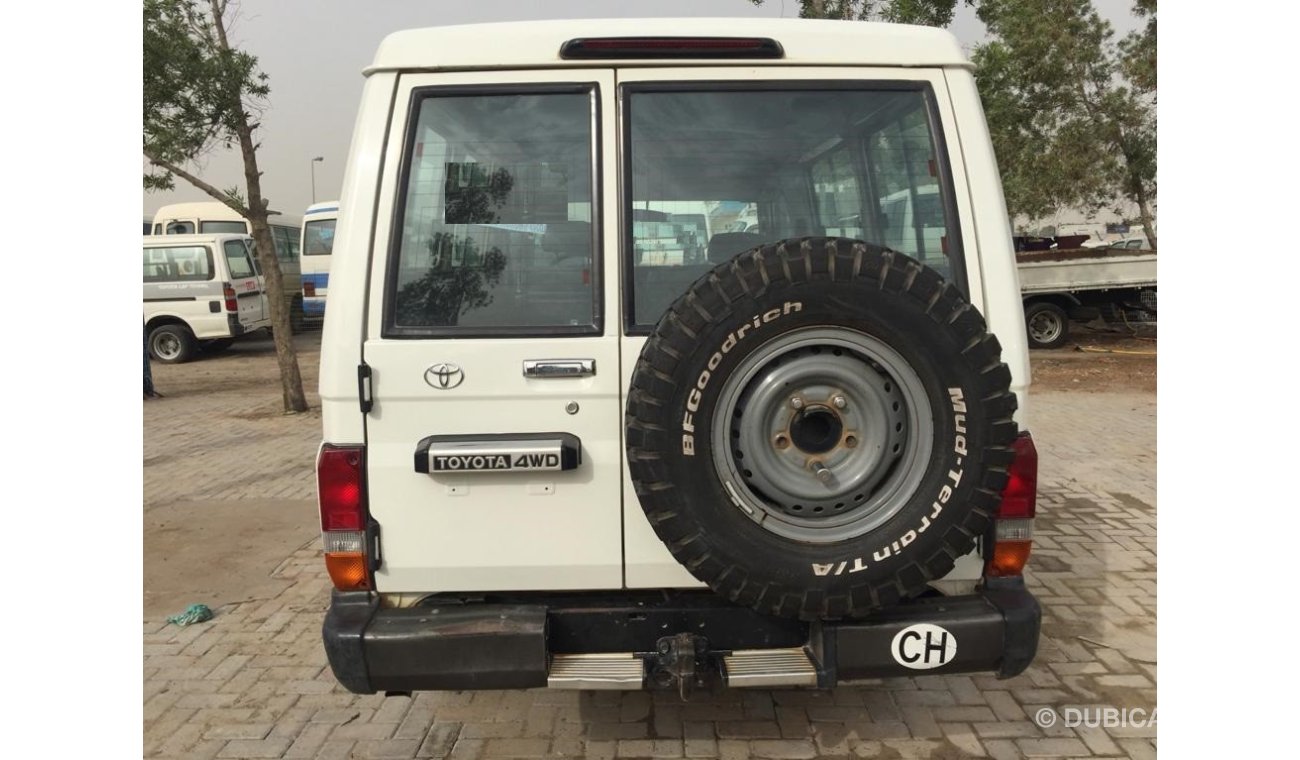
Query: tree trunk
x,y
281,325
1144,214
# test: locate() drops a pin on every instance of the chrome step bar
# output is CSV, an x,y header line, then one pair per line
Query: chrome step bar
x,y
769,667
618,670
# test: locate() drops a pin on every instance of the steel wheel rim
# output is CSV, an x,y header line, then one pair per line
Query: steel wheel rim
x,y
1045,327
166,346
793,467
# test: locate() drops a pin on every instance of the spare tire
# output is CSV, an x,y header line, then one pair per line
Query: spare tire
x,y
820,427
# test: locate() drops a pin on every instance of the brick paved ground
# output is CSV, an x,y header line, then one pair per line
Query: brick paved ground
x,y
254,682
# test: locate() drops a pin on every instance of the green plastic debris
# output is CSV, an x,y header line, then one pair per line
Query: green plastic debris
x,y
195,613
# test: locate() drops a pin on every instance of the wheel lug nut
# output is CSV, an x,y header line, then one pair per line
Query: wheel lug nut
x,y
822,472
840,402
796,402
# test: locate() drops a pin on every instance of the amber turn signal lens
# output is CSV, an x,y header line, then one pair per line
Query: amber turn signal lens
x,y
1009,558
347,570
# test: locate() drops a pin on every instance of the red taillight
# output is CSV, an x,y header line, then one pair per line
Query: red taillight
x,y
228,292
1013,528
1021,494
309,289
672,47
338,483
343,519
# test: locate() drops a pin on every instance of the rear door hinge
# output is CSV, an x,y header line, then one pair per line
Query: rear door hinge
x,y
365,394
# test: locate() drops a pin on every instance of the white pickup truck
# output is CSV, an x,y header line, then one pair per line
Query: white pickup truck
x,y
1081,283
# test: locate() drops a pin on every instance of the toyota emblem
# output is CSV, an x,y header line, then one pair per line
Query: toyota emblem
x,y
444,376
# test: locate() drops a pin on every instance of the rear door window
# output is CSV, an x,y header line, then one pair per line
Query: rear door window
x,y
286,242
751,164
496,232
237,259
318,238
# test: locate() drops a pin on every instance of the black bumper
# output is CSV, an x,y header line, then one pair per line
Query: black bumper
x,y
505,642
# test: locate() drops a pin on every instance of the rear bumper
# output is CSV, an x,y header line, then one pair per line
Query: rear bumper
x,y
511,642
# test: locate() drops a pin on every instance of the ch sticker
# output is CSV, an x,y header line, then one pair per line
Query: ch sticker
x,y
923,646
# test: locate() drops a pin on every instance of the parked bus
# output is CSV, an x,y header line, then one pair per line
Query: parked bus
x,y
215,217
317,245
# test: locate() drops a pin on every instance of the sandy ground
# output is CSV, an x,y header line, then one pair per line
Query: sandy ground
x,y
1098,361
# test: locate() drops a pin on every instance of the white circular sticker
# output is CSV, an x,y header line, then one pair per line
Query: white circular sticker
x,y
923,646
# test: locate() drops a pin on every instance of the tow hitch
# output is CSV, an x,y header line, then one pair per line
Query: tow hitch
x,y
682,660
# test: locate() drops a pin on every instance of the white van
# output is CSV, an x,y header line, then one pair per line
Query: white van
x,y
317,245
213,217
201,292
567,445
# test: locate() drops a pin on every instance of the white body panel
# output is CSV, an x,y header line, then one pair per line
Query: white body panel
x,y
531,44
581,529
344,331
1100,273
990,251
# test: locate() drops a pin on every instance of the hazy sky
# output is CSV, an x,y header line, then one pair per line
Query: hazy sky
x,y
314,50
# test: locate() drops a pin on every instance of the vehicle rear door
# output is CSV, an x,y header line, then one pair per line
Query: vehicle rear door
x,y
245,281
804,150
493,444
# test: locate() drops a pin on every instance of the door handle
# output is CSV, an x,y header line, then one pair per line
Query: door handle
x,y
543,368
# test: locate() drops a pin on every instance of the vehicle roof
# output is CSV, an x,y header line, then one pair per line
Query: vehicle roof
x,y
168,241
531,44
214,211
322,208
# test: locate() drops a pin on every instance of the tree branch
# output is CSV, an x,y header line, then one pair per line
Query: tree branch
x,y
200,184
218,21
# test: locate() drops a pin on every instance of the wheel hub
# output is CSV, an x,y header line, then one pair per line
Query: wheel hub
x,y
816,430
820,432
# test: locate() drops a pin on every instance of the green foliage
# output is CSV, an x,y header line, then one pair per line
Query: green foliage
x,y
1139,49
198,92
1067,127
927,12
1072,114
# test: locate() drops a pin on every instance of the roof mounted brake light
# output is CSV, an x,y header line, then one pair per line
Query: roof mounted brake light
x,y
671,47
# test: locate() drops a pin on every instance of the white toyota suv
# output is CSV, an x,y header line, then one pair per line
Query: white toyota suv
x,y
578,434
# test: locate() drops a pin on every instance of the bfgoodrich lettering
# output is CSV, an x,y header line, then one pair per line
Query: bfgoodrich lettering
x,y
697,392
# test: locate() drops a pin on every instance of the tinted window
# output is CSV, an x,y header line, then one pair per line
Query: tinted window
x,y
237,260
759,166
496,228
218,228
181,228
190,263
286,242
318,238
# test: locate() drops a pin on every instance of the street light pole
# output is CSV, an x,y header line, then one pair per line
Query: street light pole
x,y
313,176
